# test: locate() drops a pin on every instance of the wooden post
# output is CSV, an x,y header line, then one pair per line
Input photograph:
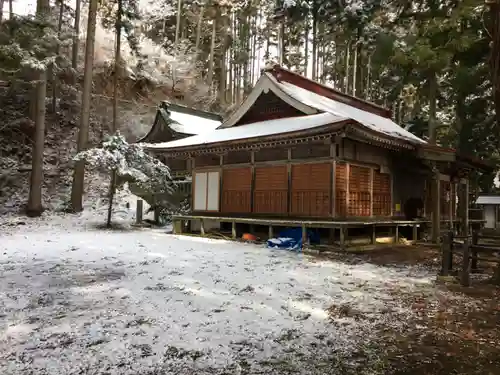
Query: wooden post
x,y
270,234
396,235
177,226
475,240
415,232
374,235
436,205
252,183
347,172
304,235
496,276
371,192
289,181
233,230
446,254
139,211
331,232
342,237
465,278
202,227
463,201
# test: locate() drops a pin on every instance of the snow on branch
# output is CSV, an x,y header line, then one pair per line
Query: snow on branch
x,y
131,163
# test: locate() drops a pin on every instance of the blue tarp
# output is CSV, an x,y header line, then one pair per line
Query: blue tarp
x,y
291,239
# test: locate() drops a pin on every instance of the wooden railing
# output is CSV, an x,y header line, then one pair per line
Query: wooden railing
x,y
472,252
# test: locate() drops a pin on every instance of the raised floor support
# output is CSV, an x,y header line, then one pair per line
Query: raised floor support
x,y
436,205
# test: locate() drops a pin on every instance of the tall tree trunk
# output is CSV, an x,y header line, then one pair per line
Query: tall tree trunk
x,y
433,92
34,207
368,93
198,27
83,133
347,67
114,127
306,46
222,78
212,52
495,53
314,46
2,2
253,43
230,53
54,73
355,70
178,24
76,40
11,10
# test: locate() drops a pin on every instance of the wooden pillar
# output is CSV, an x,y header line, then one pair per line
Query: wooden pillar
x,y
270,232
415,232
139,211
450,205
202,227
233,230
252,183
374,235
289,182
333,148
348,172
371,192
396,235
331,237
304,235
463,204
342,237
436,205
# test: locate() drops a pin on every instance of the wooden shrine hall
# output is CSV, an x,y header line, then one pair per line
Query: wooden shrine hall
x,y
297,152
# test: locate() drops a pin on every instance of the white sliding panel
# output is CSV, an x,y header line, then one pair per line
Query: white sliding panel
x,y
200,191
213,191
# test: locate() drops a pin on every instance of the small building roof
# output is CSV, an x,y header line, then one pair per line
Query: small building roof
x,y
308,102
192,123
488,199
370,120
180,120
253,130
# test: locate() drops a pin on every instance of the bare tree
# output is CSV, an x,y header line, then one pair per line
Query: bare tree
x,y
2,2
74,58
83,133
35,207
118,34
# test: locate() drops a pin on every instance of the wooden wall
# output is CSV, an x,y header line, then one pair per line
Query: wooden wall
x,y
309,180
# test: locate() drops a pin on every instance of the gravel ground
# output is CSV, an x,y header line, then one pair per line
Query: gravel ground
x,y
77,300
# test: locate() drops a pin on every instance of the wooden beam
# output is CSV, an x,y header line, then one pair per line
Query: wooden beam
x,y
436,205
289,187
139,211
371,192
252,183
348,172
463,204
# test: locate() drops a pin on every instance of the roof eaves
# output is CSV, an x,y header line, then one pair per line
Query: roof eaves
x,y
190,111
337,126
377,136
340,96
265,83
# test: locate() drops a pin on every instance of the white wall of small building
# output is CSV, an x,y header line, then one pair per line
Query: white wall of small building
x,y
489,216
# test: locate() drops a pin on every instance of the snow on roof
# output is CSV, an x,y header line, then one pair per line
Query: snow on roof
x,y
370,120
254,130
191,124
488,199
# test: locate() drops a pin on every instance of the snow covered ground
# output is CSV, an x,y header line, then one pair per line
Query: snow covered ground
x,y
77,300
